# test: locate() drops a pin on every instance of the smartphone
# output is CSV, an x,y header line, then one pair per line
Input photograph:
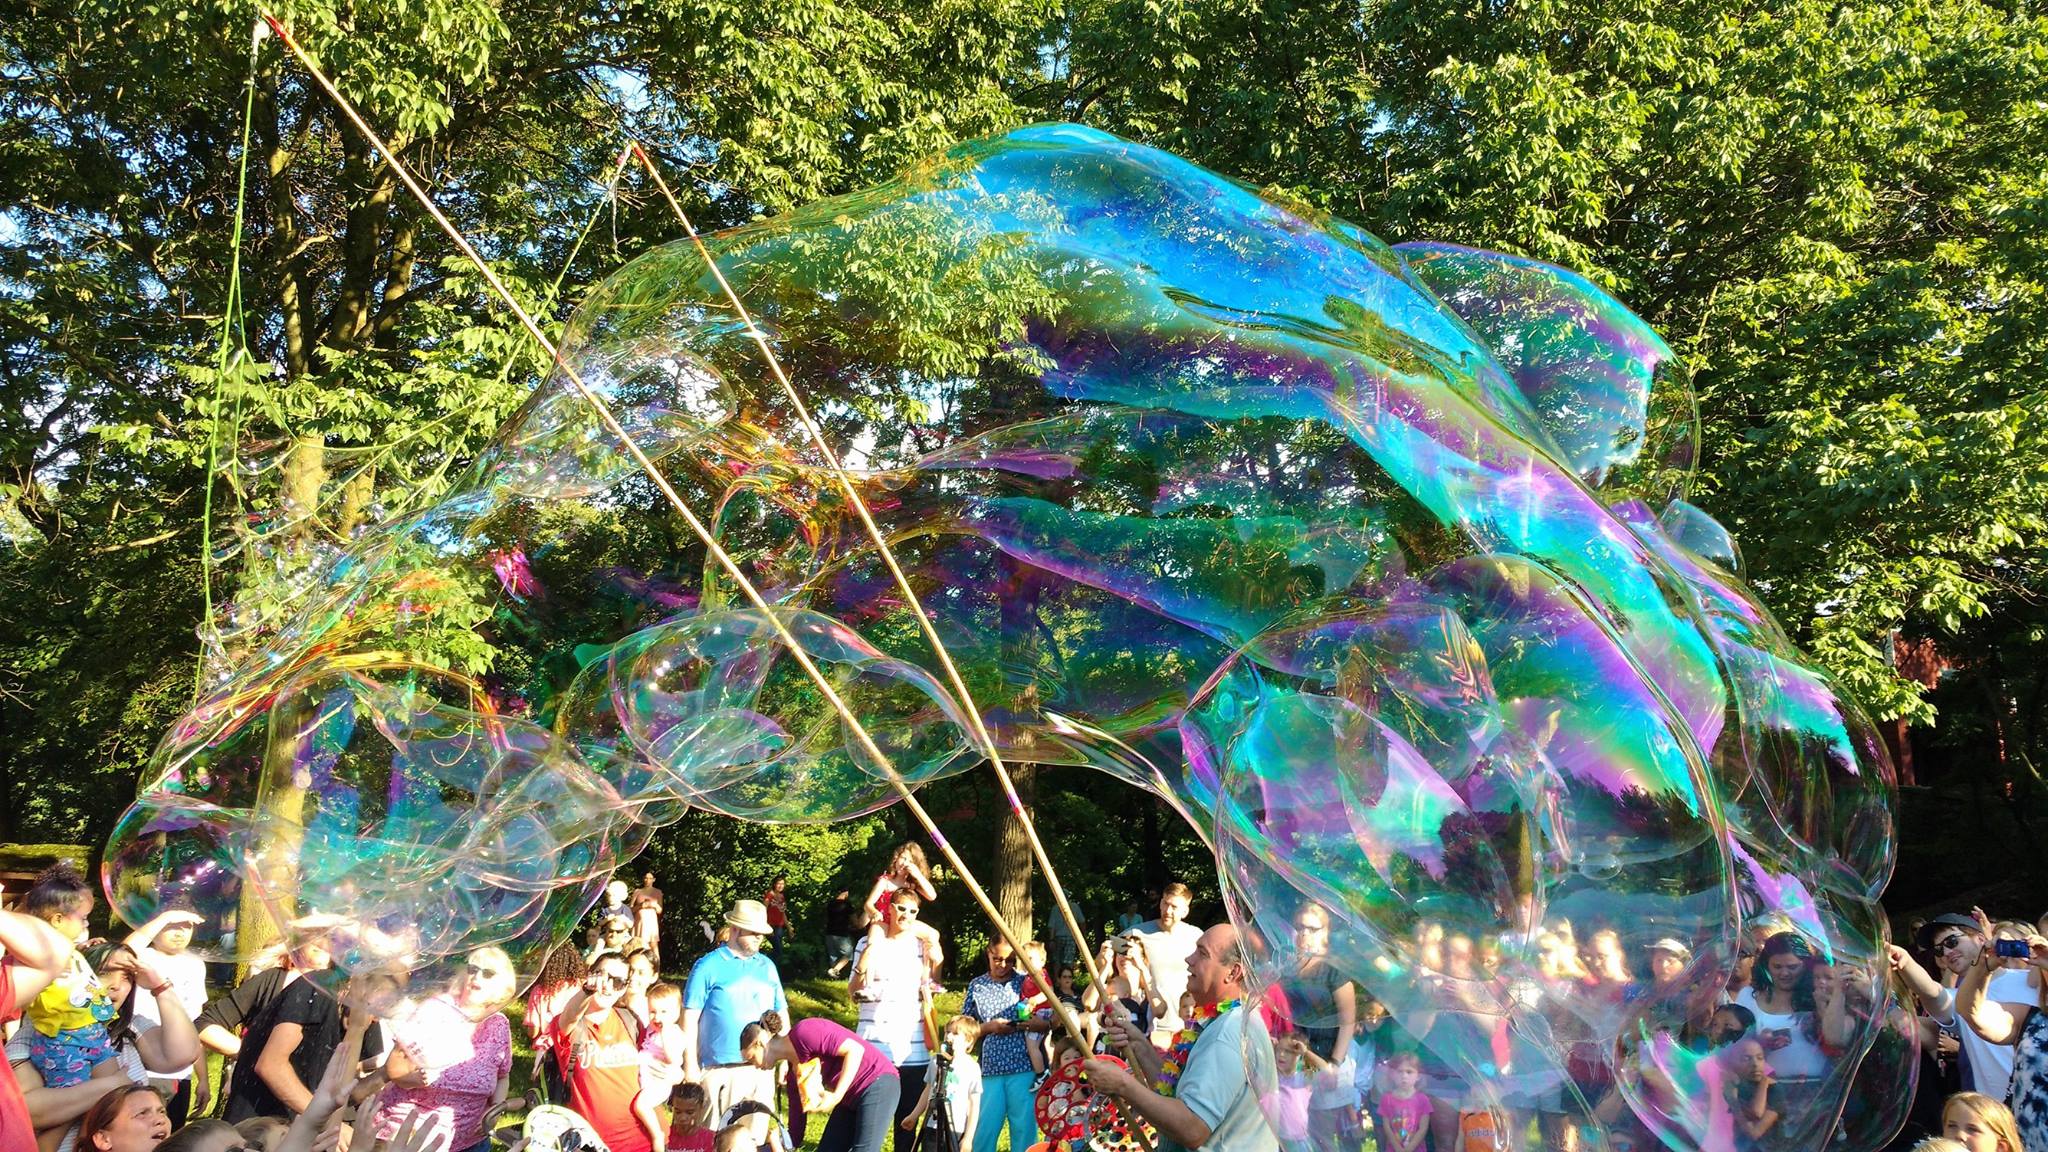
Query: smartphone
x,y
2017,949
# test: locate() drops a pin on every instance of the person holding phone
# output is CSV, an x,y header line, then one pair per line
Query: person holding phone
x,y
1960,944
2020,1023
1781,996
598,1044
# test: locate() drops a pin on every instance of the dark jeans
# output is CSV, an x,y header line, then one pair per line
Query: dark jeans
x,y
861,1124
910,1081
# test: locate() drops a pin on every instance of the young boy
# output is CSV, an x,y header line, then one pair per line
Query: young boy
x,y
962,1091
688,1132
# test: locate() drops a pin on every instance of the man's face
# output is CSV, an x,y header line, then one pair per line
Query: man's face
x,y
1665,966
1210,979
1172,910
744,942
1001,961
173,940
904,911
1956,948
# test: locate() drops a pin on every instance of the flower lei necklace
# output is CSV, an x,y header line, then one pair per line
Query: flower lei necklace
x,y
1176,1060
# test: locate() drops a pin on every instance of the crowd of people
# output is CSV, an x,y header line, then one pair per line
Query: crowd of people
x,y
110,1044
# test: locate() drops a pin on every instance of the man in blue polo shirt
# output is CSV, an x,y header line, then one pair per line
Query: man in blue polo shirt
x,y
729,989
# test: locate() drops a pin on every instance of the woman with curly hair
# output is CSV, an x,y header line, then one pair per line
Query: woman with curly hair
x,y
560,979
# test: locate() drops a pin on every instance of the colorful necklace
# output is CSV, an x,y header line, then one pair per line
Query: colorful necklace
x,y
1176,1060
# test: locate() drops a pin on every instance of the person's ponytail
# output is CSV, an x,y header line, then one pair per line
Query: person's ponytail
x,y
770,1023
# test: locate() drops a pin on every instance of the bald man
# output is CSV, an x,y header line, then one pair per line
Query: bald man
x,y
1214,1105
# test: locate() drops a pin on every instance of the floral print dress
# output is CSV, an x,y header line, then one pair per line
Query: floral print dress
x,y
2028,1096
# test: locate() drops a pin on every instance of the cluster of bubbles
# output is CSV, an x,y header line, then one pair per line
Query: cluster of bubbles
x,y
1374,561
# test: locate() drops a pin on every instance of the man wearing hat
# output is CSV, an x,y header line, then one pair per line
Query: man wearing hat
x,y
729,989
1956,941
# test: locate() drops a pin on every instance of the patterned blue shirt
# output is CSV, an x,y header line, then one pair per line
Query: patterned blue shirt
x,y
1004,1054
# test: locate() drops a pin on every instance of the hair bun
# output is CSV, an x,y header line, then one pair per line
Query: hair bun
x,y
772,1021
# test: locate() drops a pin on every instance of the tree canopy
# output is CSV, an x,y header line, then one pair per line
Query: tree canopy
x,y
1829,209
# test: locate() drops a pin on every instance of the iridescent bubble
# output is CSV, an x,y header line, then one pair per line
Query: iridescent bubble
x,y
1376,563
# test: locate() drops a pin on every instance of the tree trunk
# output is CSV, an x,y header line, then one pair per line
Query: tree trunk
x,y
281,797
1014,870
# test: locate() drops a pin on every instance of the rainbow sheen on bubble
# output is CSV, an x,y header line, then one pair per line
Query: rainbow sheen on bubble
x,y
1375,562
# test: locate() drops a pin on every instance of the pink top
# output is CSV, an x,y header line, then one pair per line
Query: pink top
x,y
702,1140
661,1059
1404,1118
463,1061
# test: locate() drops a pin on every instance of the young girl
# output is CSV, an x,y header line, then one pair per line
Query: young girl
x,y
688,1132
1980,1124
907,870
1403,1108
962,1092
661,1060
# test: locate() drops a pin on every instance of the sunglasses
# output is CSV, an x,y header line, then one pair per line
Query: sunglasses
x,y
1948,943
608,980
481,972
902,910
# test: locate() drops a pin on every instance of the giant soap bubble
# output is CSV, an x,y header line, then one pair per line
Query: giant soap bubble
x,y
1375,562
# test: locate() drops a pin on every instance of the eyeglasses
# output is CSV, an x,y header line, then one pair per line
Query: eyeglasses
x,y
905,911
1948,943
610,980
481,972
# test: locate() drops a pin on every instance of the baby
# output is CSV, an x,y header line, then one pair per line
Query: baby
x,y
661,1060
1034,1001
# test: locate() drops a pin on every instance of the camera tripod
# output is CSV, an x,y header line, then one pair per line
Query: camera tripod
x,y
935,1132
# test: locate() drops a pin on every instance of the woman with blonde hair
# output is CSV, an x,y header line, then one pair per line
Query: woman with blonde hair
x,y
453,1055
1980,1124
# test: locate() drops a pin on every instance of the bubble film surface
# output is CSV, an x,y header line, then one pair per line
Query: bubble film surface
x,y
1375,562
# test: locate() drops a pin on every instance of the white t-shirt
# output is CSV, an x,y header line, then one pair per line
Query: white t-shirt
x,y
187,974
1991,1064
890,1006
1166,954
1801,1059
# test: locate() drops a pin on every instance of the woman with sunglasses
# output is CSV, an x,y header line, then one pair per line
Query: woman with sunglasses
x,y
888,986
453,1056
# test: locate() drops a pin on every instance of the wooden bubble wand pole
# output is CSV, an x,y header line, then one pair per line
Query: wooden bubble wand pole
x,y
661,483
